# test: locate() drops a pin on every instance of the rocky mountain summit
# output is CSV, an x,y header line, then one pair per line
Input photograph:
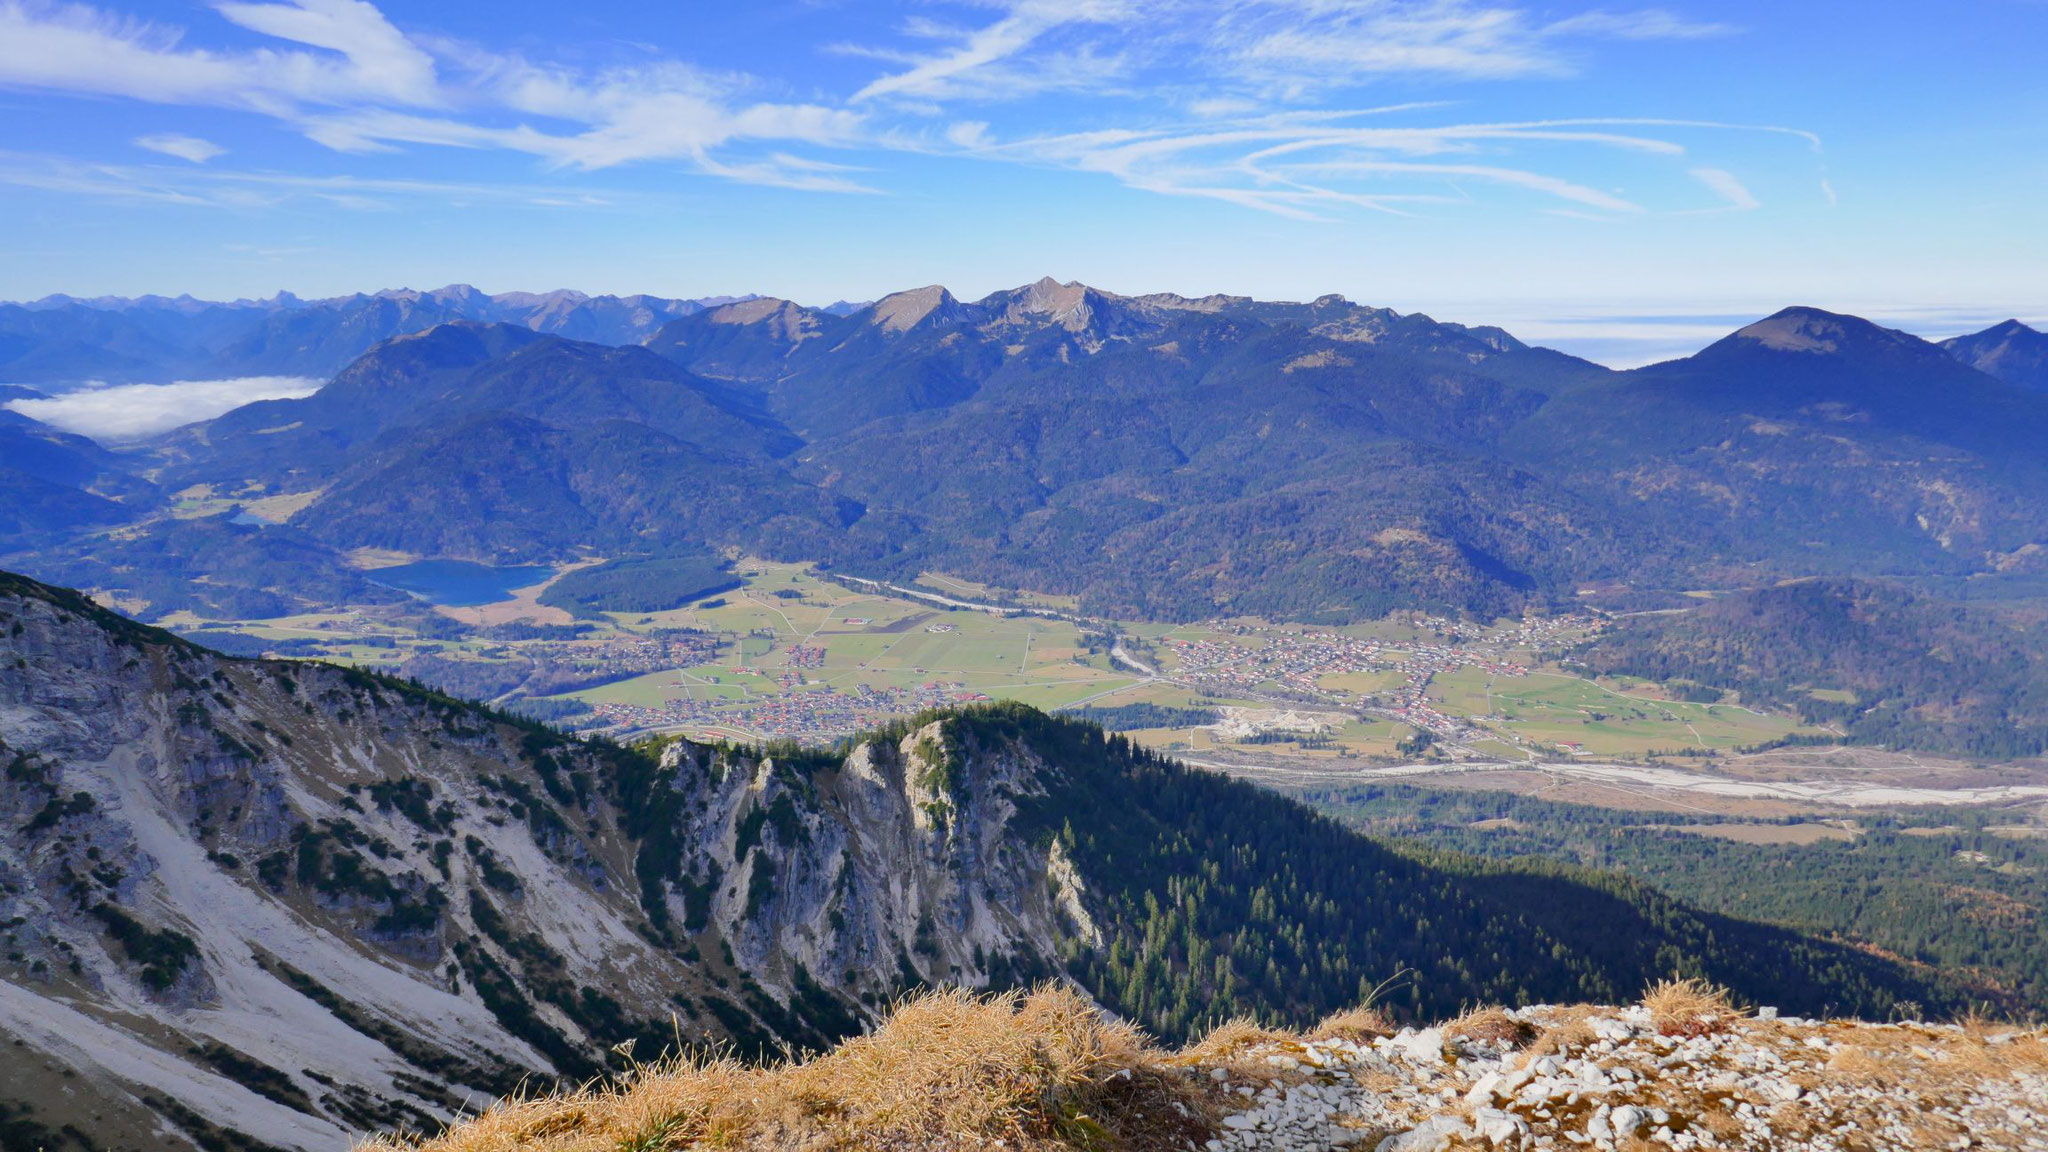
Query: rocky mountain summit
x,y
1642,1077
1681,1070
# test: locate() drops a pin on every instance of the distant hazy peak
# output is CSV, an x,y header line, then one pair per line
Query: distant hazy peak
x,y
446,329
452,341
1214,302
183,303
454,295
1815,331
1051,297
786,320
1500,339
902,311
2010,351
2001,335
540,299
1065,305
749,311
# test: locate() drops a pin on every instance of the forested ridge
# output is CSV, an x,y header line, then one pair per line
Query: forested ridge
x,y
640,584
1219,899
1883,665
1939,888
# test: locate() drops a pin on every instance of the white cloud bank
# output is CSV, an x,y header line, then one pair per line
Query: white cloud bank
x,y
125,413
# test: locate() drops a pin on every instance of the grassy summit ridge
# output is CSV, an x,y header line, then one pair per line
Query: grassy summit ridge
x,y
1048,1071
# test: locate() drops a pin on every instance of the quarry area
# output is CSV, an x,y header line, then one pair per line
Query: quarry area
x,y
1681,1070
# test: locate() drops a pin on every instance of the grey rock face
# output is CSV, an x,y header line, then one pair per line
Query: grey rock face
x,y
373,904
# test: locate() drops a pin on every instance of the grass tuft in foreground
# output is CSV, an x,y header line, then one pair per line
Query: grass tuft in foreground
x,y
1038,1071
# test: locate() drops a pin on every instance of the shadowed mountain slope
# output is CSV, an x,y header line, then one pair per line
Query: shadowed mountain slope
x,y
1808,442
1158,455
1917,673
2010,351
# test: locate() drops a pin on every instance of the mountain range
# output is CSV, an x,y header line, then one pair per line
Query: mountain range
x,y
65,340
1156,456
260,904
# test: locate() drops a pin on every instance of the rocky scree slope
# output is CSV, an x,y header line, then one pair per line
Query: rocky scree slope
x,y
289,901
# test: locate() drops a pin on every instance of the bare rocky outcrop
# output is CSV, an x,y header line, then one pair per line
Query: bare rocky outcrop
x,y
898,864
1550,1077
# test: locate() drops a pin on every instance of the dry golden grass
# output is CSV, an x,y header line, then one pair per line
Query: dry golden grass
x,y
1689,1007
1036,1071
1881,1057
1231,1045
1229,1038
1856,1064
1564,1032
1048,1071
1722,1123
1491,1024
1353,1024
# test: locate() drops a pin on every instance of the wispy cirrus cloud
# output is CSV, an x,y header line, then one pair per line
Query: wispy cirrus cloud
x,y
183,147
1003,59
1240,101
354,82
1305,165
1288,47
1735,197
228,188
1254,80
1644,24
79,48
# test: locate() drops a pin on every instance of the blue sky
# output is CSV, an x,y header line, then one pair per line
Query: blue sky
x,y
1573,171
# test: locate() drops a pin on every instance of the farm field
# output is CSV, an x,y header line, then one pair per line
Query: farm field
x,y
1804,833
1576,714
963,589
802,657
792,654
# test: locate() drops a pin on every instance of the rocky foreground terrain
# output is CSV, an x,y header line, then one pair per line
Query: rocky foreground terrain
x,y
1680,1070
